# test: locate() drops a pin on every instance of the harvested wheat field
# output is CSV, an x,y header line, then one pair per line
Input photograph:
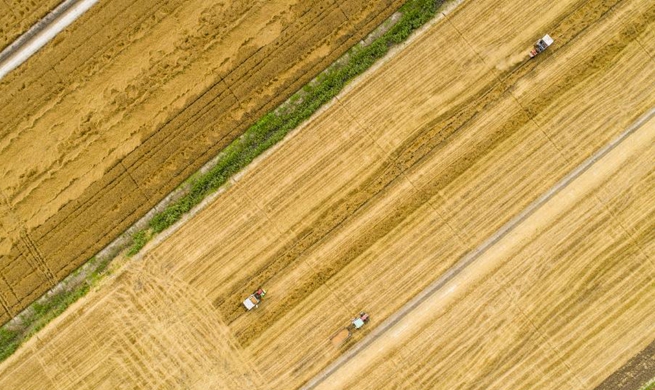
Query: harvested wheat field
x,y
492,327
434,157
17,16
129,101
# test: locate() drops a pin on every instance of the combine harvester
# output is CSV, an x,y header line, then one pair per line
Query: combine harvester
x,y
253,300
344,334
541,45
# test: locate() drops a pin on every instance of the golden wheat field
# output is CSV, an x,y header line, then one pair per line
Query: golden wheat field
x,y
123,106
410,170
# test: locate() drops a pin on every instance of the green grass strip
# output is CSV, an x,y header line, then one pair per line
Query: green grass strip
x,y
650,385
274,126
265,133
44,312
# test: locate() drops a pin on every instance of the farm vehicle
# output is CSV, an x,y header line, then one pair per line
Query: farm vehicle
x,y
344,334
253,300
541,45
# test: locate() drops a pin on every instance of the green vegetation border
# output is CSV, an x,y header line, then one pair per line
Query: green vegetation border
x,y
650,385
275,125
266,132
45,310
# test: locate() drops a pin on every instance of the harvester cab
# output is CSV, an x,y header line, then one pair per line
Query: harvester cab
x,y
253,300
541,45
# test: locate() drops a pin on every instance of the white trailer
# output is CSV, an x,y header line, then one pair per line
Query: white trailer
x,y
541,45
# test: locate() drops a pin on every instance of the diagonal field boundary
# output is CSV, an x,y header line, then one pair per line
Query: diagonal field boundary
x,y
41,33
472,256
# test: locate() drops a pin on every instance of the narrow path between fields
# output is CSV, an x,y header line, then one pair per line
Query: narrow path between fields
x,y
41,33
472,256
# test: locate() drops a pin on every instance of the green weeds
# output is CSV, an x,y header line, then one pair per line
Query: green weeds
x,y
46,310
650,385
265,133
275,125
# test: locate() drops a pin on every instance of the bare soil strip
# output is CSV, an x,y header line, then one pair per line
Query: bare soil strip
x,y
634,374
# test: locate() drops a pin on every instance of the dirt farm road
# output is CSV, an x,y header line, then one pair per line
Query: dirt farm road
x,y
470,258
418,163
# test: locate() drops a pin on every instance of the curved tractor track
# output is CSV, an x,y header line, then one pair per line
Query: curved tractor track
x,y
417,164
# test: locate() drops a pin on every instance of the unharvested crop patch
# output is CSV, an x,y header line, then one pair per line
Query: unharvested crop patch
x,y
124,105
418,163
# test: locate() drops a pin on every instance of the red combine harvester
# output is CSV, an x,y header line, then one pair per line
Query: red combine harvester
x,y
253,300
541,45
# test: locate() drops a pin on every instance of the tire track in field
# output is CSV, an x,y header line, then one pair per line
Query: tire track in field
x,y
428,140
34,253
472,256
149,296
3,301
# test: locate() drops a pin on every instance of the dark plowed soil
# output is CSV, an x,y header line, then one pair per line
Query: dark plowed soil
x,y
634,374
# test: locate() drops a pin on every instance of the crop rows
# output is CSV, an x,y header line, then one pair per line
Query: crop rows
x,y
165,86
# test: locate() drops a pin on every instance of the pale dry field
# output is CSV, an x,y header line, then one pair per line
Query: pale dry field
x,y
380,194
130,100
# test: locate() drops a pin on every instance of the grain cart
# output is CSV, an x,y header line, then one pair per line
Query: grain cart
x,y
344,334
541,45
253,300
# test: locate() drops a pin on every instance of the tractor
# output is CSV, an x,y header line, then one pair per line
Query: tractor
x,y
344,334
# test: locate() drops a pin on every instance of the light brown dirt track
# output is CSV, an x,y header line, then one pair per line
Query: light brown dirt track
x,y
376,197
127,103
492,328
17,16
